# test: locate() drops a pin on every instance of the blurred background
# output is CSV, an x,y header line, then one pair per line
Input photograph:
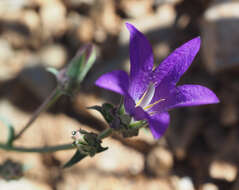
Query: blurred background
x,y
200,150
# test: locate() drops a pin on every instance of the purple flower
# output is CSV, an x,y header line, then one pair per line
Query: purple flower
x,y
150,93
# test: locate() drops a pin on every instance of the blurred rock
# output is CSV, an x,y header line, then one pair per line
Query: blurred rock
x,y
53,56
220,44
161,50
163,18
110,21
209,186
229,115
160,2
114,159
16,39
160,161
78,3
53,17
80,29
214,136
223,170
11,61
38,81
11,6
116,180
26,184
184,183
85,31
137,9
236,185
32,20
6,51
182,135
11,170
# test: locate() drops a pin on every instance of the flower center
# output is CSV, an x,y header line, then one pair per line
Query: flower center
x,y
147,98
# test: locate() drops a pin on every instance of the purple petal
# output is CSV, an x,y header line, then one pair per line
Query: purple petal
x,y
136,112
174,66
166,92
117,81
158,124
141,60
139,114
193,95
129,104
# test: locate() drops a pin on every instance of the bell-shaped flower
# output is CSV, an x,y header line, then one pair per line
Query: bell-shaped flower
x,y
150,93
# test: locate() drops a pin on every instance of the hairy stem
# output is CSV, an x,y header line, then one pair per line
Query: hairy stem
x,y
106,133
52,98
37,149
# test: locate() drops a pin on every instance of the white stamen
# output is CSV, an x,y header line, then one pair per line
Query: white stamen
x,y
147,97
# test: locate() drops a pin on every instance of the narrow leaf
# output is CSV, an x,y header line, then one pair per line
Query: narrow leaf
x,y
52,70
11,131
78,156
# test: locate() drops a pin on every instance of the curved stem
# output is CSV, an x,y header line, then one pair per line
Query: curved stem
x,y
107,132
46,104
37,149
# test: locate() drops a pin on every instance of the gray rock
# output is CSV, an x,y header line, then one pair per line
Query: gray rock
x,y
220,36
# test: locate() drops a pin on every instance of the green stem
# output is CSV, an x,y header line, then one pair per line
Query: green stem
x,y
107,132
37,149
56,93
138,124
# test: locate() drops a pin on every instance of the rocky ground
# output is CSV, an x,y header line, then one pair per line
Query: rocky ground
x,y
200,149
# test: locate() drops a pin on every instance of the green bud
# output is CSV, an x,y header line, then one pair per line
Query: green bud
x,y
69,78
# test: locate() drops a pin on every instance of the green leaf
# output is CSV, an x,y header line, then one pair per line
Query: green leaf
x,y
53,71
11,131
70,77
90,58
78,156
106,111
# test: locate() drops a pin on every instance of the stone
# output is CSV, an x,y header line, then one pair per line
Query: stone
x,y
32,20
53,18
113,159
78,3
85,31
6,51
80,29
181,135
159,161
163,18
229,114
137,9
11,6
223,170
236,185
11,61
53,55
184,183
25,184
209,186
220,45
109,18
37,80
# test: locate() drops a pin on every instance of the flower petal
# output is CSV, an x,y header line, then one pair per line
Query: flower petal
x,y
139,114
117,81
129,104
193,95
158,124
164,94
141,60
174,66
